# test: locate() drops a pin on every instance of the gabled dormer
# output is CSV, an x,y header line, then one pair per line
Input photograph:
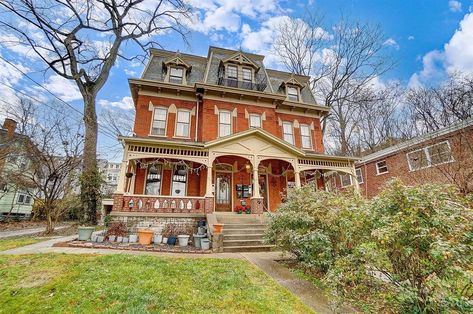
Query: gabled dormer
x,y
292,87
176,70
240,68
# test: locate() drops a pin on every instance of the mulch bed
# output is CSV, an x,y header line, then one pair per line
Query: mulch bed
x,y
133,247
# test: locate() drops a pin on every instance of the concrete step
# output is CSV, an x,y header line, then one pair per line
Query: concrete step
x,y
238,221
232,243
252,248
231,231
243,236
243,226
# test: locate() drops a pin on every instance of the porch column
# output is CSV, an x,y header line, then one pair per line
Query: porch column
x,y
297,177
209,197
256,199
122,178
255,182
355,179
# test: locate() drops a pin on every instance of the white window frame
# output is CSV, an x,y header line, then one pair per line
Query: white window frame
x,y
258,116
428,156
220,123
309,136
158,166
182,77
228,72
377,167
359,173
165,122
188,123
243,69
172,181
292,132
341,179
25,197
297,92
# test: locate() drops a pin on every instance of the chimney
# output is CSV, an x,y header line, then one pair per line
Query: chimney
x,y
10,126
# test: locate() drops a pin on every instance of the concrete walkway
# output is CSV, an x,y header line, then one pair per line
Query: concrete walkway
x,y
266,261
23,232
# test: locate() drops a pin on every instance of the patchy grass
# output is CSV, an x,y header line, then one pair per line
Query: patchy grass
x,y
11,243
58,283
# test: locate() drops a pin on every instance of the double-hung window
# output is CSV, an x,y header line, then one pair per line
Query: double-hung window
x,y
288,132
345,180
292,93
224,123
305,136
359,175
232,72
430,156
381,167
23,199
183,123
159,121
247,75
176,75
255,121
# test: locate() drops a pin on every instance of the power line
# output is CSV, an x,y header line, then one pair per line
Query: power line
x,y
54,95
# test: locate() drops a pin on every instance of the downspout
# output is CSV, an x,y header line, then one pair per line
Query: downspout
x,y
199,97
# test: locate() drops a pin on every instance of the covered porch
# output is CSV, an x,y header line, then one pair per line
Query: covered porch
x,y
251,168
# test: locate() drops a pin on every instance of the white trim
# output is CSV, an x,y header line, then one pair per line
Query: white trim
x,y
361,175
298,91
172,181
429,157
260,120
292,131
341,180
146,178
377,168
310,136
231,123
165,121
188,136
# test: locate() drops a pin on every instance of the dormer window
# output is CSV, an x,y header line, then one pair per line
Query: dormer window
x,y
247,74
232,72
176,75
292,93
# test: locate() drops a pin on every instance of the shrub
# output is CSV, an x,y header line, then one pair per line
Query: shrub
x,y
117,229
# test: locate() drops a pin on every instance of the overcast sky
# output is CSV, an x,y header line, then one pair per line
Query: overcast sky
x,y
428,38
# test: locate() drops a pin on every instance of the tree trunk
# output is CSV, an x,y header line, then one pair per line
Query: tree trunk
x,y
49,224
90,183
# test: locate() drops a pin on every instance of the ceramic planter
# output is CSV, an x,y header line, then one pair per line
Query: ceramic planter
x,y
201,230
145,236
158,238
183,239
172,240
112,238
125,240
165,240
85,233
119,239
133,238
100,239
197,240
218,228
94,238
205,244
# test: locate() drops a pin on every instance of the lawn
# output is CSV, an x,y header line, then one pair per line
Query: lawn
x,y
59,283
11,243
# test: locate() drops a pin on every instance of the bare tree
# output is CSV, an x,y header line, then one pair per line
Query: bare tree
x,y
49,161
120,123
342,63
81,41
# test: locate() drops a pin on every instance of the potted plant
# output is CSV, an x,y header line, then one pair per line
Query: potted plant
x,y
218,228
145,236
248,209
85,232
239,209
158,238
169,232
115,230
184,235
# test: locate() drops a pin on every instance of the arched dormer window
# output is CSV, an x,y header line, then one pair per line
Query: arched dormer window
x,y
238,71
176,70
292,87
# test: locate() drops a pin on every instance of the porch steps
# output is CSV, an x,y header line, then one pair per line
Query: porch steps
x,y
243,233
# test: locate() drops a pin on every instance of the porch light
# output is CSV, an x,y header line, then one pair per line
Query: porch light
x,y
181,172
247,166
153,170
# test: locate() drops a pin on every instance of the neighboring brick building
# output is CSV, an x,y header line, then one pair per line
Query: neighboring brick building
x,y
206,127
443,156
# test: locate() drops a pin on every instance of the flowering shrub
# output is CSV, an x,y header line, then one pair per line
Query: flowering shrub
x,y
411,247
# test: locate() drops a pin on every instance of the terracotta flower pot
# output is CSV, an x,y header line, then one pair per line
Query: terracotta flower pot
x,y
218,228
145,236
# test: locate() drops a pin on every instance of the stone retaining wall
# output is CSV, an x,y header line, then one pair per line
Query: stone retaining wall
x,y
157,224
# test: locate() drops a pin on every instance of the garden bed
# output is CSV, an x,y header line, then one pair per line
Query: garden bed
x,y
134,247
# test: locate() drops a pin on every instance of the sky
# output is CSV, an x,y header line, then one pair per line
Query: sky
x,y
427,38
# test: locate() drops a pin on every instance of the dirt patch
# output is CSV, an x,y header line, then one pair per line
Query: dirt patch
x,y
35,280
20,225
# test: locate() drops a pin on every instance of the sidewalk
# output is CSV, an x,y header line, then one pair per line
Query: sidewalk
x,y
17,233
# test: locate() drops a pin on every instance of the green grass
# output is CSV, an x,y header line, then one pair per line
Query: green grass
x,y
11,243
59,283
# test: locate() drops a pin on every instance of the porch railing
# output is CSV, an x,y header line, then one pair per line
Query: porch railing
x,y
159,204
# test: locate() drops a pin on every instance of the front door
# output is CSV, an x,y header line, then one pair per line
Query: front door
x,y
223,191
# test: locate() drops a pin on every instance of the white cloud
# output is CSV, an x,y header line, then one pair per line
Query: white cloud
x,y
63,88
9,76
391,43
411,38
125,103
454,6
130,72
457,55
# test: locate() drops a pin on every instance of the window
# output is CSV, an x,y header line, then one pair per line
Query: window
x,y
159,121
153,180
359,175
247,75
183,122
255,121
288,132
224,123
381,167
176,75
232,72
179,180
292,93
305,136
345,180
429,156
23,199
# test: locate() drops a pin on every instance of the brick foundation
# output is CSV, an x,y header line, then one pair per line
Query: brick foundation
x,y
157,224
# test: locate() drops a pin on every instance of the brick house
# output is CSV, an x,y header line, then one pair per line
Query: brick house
x,y
443,156
215,132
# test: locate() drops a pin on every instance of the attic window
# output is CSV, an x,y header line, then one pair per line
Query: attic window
x,y
232,72
292,93
176,75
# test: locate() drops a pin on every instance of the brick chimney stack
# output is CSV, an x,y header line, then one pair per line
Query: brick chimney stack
x,y
10,126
